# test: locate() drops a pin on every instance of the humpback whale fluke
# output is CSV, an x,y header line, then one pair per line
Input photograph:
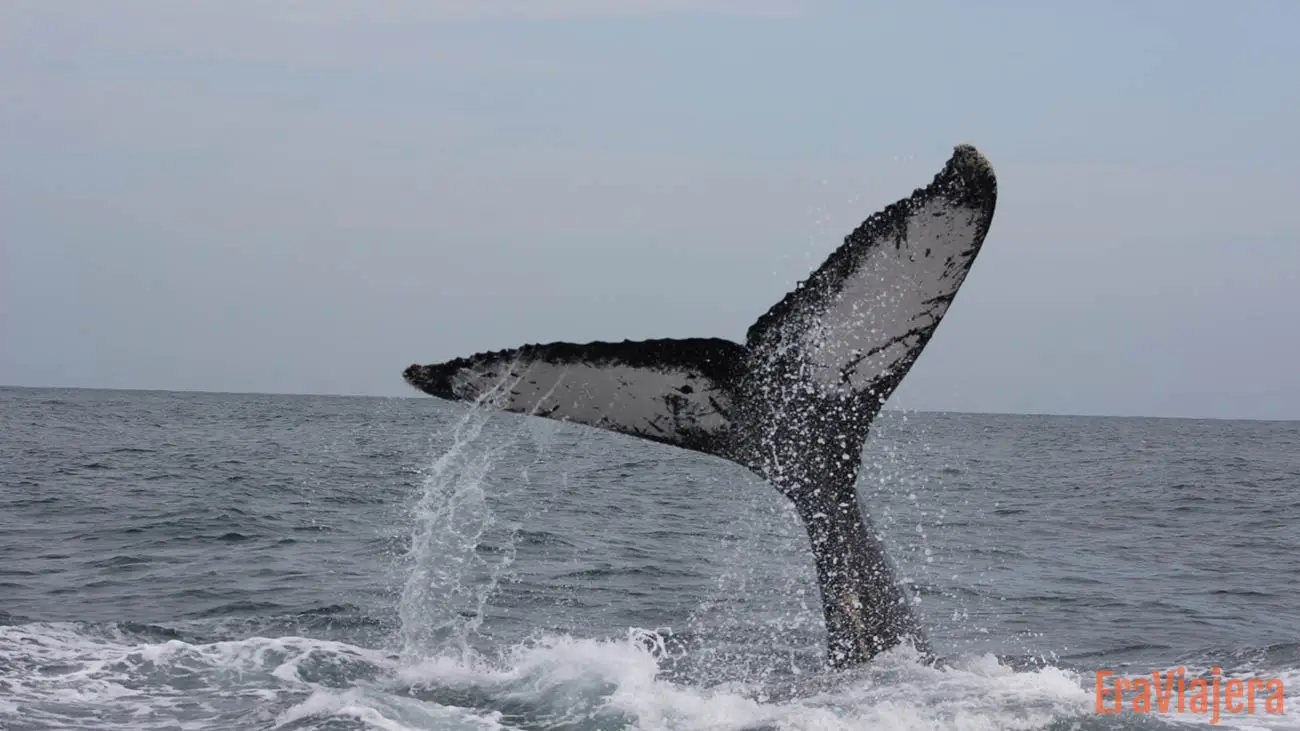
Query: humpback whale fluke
x,y
795,402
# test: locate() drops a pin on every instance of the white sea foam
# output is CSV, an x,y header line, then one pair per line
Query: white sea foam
x,y
71,676
389,713
60,676
604,681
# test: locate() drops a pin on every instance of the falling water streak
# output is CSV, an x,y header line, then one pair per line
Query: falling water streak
x,y
444,596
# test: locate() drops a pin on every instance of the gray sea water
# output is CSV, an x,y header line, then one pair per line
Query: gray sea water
x,y
213,561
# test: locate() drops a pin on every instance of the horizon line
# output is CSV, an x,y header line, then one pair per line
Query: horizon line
x,y
417,396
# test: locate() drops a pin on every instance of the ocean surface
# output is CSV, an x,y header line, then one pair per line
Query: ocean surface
x,y
217,561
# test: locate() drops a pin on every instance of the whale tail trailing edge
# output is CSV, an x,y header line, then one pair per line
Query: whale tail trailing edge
x,y
677,392
792,404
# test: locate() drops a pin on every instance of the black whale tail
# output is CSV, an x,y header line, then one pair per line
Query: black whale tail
x,y
795,402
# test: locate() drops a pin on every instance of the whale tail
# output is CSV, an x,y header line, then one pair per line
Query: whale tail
x,y
795,401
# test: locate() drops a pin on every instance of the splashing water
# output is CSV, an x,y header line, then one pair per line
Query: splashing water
x,y
564,681
451,580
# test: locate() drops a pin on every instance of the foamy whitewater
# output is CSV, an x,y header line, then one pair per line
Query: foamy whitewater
x,y
206,561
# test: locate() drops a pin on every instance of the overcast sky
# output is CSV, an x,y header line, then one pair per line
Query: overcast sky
x,y
308,196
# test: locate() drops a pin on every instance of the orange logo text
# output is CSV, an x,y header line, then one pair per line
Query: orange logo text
x,y
1173,690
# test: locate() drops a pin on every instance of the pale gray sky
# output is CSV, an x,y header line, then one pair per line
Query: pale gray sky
x,y
307,197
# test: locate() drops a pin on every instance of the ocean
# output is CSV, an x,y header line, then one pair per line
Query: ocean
x,y
221,561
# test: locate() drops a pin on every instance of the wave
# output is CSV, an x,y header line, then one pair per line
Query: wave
x,y
72,676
